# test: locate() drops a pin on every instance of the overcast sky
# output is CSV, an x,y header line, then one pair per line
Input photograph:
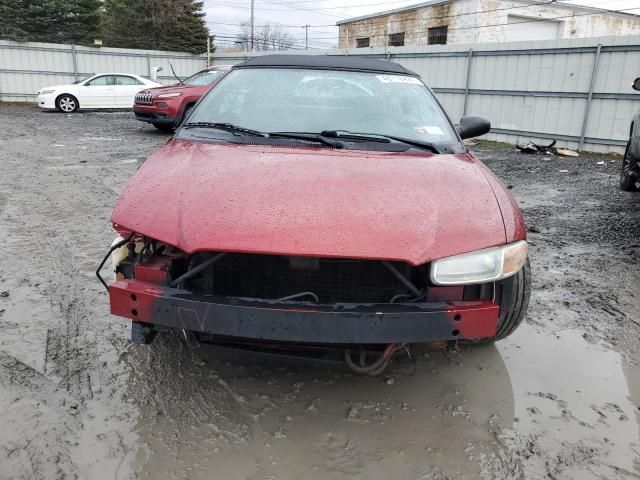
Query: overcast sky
x,y
224,16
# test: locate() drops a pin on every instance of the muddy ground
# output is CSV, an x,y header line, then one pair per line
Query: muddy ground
x,y
559,399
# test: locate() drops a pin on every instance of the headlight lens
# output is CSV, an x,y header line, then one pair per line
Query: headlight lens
x,y
169,95
45,92
482,266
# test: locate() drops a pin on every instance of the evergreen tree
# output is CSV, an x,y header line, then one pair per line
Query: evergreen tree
x,y
176,25
57,21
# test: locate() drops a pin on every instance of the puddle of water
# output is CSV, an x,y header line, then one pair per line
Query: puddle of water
x,y
574,398
465,414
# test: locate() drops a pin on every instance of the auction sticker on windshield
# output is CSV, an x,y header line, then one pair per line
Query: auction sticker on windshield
x,y
398,79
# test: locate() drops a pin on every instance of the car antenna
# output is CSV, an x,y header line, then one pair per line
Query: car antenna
x,y
174,74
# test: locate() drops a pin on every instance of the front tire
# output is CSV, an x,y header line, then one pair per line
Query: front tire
x,y
67,103
629,172
512,316
185,114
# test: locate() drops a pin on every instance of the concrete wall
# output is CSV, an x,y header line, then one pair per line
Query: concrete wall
x,y
27,67
529,90
476,21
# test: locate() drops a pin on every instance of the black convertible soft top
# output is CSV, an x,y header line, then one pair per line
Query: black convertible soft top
x,y
326,62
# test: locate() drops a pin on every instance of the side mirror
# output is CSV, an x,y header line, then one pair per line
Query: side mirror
x,y
473,126
636,84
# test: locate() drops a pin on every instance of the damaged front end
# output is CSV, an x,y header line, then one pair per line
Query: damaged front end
x,y
213,296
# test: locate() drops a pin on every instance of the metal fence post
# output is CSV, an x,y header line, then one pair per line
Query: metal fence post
x,y
148,65
585,120
467,81
74,58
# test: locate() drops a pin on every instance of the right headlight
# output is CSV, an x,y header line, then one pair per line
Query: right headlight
x,y
46,91
481,266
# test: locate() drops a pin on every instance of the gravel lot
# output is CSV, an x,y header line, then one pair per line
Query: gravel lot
x,y
559,399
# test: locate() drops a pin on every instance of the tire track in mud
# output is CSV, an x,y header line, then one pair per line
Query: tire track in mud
x,y
69,354
31,403
69,416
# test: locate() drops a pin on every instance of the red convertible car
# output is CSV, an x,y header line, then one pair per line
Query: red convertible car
x,y
320,201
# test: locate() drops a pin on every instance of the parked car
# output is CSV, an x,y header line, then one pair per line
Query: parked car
x,y
630,174
165,107
351,216
104,90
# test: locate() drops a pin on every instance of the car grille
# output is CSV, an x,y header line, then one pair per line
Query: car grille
x,y
144,98
331,280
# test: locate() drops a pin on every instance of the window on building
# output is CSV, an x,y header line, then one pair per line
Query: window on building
x,y
362,42
437,36
396,39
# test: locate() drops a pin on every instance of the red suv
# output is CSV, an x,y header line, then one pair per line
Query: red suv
x,y
165,107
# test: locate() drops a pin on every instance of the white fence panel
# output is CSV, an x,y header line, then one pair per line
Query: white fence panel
x,y
27,67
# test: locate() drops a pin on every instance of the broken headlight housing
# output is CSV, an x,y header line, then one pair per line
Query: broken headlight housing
x,y
481,266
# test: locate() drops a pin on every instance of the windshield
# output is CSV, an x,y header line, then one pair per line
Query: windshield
x,y
312,101
203,78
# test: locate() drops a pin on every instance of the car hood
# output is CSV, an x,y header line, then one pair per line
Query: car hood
x,y
311,202
171,89
58,87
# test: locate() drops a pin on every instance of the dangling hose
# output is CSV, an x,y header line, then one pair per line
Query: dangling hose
x,y
377,367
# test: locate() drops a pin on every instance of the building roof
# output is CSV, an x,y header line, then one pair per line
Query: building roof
x,y
408,8
326,62
433,3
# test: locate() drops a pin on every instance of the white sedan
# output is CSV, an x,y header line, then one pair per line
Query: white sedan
x,y
104,90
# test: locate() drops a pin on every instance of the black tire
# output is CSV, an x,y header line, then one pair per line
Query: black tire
x,y
185,114
629,171
513,315
67,103
163,127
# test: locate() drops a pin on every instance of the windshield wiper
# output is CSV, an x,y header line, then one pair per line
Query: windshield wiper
x,y
309,137
227,127
375,137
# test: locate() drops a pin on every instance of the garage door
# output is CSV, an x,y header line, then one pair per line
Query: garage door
x,y
523,28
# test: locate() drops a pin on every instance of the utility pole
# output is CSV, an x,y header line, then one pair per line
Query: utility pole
x,y
306,37
252,5
208,51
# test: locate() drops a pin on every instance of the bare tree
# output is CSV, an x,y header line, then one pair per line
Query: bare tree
x,y
265,37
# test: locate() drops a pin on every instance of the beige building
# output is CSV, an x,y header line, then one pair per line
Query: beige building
x,y
477,21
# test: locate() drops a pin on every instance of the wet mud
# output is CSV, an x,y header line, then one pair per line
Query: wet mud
x,y
558,399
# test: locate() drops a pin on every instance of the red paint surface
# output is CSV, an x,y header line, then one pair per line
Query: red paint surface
x,y
314,202
133,300
514,226
475,320
154,269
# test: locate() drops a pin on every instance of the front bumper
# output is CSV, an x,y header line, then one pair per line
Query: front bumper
x,y
154,114
303,323
47,101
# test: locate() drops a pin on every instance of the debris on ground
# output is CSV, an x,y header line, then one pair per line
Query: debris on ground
x,y
565,152
533,148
